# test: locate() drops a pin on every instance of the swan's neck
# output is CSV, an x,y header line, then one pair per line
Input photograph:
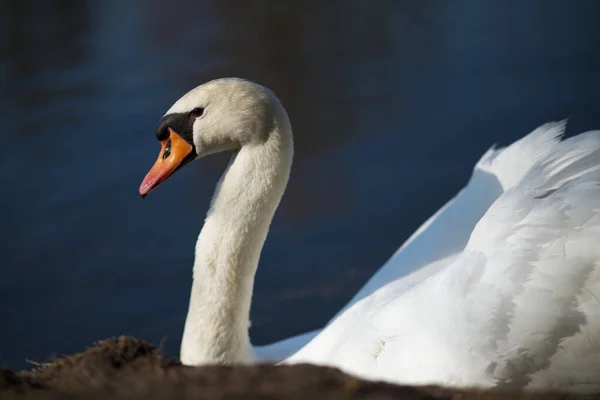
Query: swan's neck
x,y
228,250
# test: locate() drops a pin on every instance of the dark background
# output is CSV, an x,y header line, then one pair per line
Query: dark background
x,y
392,103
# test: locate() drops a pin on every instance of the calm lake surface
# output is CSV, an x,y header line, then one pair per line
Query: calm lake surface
x,y
392,103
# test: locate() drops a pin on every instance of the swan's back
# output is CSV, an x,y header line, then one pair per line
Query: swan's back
x,y
445,234
518,307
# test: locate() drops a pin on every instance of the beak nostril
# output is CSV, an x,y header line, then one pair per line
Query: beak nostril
x,y
167,151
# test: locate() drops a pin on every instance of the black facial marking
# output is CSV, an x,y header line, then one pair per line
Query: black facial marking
x,y
182,123
167,151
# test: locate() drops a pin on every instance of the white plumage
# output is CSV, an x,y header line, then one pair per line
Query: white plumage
x,y
517,307
498,288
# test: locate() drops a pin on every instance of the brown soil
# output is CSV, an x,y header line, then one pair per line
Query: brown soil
x,y
129,368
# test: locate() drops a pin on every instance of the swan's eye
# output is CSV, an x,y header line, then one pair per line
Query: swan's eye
x,y
197,112
167,151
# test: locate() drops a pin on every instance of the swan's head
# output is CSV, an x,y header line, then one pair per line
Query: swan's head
x,y
220,115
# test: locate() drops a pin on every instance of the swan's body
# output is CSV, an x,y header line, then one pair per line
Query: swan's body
x,y
519,306
499,287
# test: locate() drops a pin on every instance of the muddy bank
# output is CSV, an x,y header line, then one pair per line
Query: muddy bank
x,y
130,368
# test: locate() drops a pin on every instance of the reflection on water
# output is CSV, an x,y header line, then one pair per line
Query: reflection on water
x,y
392,102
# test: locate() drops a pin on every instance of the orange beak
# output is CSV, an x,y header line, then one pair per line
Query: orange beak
x,y
174,154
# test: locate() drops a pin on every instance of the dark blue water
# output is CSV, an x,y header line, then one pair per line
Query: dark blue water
x,y
392,103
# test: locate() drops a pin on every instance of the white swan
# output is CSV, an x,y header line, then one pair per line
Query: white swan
x,y
506,279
